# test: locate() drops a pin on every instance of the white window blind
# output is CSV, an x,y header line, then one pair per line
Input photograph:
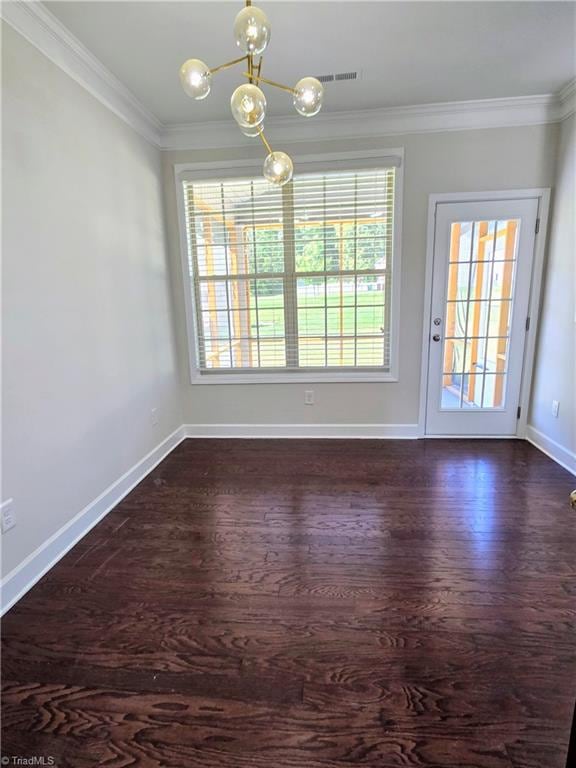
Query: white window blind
x,y
293,279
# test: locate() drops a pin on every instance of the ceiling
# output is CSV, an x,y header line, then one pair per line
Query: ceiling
x,y
407,52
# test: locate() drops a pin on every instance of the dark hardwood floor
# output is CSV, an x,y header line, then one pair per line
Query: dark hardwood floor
x,y
309,604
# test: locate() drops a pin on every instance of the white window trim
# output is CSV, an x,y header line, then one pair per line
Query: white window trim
x,y
357,160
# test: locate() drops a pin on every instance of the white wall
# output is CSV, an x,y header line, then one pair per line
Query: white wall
x,y
477,160
555,365
88,335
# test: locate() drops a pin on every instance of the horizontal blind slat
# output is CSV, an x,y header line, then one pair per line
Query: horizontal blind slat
x,y
339,227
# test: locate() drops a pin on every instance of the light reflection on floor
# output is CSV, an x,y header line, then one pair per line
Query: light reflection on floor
x,y
475,480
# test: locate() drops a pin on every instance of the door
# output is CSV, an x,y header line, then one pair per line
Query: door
x,y
483,258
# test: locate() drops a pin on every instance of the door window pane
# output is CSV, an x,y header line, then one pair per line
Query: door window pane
x,y
479,299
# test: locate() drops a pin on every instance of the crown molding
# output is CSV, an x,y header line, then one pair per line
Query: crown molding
x,y
46,33
43,30
372,123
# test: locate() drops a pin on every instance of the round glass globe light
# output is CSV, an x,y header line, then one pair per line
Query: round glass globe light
x,y
196,78
278,168
248,105
308,95
252,30
252,131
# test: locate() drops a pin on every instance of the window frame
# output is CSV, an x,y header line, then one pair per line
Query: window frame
x,y
323,163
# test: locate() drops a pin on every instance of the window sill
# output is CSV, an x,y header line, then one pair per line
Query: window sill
x,y
294,378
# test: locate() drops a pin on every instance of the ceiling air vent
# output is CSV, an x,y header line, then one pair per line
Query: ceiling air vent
x,y
338,77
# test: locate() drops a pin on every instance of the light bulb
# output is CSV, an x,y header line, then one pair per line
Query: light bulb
x,y
196,78
248,105
278,168
252,30
308,96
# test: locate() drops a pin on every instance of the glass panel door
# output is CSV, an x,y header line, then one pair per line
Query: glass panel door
x,y
482,271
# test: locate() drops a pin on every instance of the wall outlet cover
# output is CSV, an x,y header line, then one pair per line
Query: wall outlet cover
x,y
7,515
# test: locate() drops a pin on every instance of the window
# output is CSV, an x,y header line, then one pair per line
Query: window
x,y
292,280
480,294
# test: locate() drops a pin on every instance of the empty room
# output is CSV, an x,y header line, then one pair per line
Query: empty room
x,y
288,384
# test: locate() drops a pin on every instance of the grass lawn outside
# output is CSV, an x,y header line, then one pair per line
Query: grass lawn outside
x,y
330,330
314,313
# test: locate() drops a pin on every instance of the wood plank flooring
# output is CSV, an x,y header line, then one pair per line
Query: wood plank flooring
x,y
309,604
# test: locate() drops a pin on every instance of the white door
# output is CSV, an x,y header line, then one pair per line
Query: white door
x,y
483,257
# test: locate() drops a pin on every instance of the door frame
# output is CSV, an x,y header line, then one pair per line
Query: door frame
x,y
543,196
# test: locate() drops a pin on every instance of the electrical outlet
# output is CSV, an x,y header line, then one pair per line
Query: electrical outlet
x,y
309,397
8,515
154,416
555,408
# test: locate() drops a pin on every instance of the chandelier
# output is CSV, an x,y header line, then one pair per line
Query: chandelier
x,y
248,102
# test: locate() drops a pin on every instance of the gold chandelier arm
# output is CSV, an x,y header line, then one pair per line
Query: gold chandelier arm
x,y
260,79
228,64
264,140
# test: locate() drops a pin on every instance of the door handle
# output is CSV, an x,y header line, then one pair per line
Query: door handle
x,y
436,337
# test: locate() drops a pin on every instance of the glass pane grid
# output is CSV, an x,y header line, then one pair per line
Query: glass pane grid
x,y
480,291
256,308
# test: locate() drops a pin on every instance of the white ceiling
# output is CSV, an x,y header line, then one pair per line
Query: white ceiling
x,y
408,52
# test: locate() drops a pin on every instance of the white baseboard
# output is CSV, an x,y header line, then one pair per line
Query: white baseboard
x,y
16,583
551,448
358,431
471,437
